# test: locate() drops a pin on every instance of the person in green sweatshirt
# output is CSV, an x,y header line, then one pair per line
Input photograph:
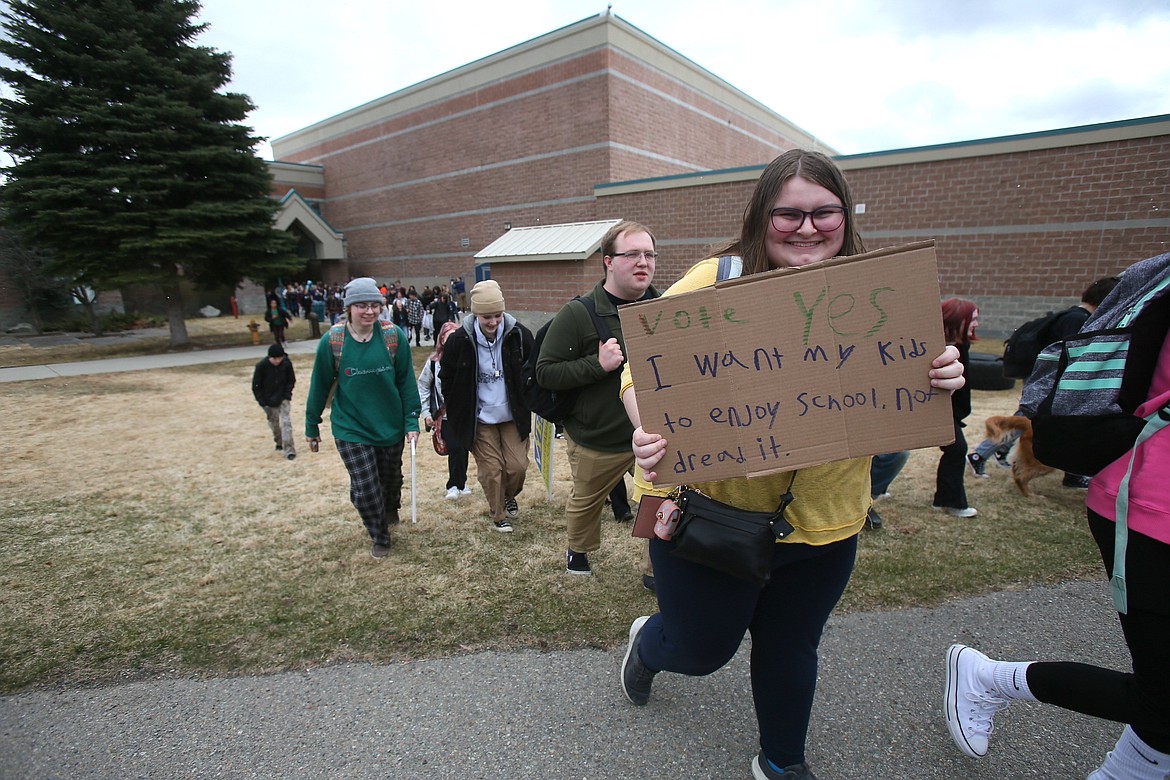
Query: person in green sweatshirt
x,y
366,366
575,356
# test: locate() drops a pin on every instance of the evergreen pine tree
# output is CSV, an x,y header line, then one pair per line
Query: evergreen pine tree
x,y
130,165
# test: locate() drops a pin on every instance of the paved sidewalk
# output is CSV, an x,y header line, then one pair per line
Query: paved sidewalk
x,y
148,362
530,715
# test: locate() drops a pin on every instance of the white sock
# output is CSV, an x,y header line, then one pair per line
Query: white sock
x,y
1011,679
1133,759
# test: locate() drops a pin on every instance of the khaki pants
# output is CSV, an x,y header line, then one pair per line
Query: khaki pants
x,y
280,422
595,474
501,462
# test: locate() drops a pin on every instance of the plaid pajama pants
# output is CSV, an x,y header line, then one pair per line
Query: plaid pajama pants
x,y
375,483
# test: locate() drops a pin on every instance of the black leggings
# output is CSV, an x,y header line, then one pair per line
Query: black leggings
x,y
1140,698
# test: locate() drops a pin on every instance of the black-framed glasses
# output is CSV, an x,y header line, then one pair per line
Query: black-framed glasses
x,y
368,306
825,219
634,255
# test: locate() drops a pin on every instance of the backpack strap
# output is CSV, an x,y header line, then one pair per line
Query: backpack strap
x,y
337,341
603,331
390,338
1155,422
730,267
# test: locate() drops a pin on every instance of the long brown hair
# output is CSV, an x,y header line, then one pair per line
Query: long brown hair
x,y
813,166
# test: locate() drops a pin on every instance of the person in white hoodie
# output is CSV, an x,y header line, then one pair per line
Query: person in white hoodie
x,y
481,375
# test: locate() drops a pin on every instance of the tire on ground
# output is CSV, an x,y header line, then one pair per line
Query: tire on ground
x,y
985,372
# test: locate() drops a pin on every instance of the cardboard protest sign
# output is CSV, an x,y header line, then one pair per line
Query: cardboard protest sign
x,y
792,368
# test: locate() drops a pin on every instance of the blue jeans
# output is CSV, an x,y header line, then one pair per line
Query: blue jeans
x,y
883,469
704,614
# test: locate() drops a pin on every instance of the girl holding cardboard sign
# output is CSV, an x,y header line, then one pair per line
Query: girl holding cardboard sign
x,y
801,212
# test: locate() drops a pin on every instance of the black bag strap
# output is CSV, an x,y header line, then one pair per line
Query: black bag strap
x,y
603,331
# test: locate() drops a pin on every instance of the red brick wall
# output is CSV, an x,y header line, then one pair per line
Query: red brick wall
x,y
1018,233
525,150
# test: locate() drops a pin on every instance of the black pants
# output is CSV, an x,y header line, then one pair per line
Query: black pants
x,y
1140,698
704,614
619,500
949,489
456,461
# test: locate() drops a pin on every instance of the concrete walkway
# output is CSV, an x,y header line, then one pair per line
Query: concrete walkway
x,y
530,715
141,362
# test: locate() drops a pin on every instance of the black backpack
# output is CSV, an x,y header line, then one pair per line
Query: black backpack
x,y
1021,349
555,405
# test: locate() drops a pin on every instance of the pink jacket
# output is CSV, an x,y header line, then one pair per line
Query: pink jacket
x,y
1149,499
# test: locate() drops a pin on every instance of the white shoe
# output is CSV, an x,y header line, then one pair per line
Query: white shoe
x,y
969,704
953,511
466,491
453,493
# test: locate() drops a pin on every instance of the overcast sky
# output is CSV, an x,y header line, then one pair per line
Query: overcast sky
x,y
861,76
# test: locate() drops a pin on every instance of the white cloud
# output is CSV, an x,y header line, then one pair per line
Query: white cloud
x,y
860,75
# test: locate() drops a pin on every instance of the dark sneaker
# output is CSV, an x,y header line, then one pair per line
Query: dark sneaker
x,y
627,517
503,526
379,550
636,678
762,769
279,446
1075,481
978,466
291,456
577,563
873,521
511,508
648,583
1001,459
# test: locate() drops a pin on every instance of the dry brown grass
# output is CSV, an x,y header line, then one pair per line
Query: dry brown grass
x,y
150,528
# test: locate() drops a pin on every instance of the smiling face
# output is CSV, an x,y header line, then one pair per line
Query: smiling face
x,y
806,244
364,315
489,324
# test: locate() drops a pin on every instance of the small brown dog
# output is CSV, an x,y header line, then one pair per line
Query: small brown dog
x,y
1025,467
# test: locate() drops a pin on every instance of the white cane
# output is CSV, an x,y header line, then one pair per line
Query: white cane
x,y
413,492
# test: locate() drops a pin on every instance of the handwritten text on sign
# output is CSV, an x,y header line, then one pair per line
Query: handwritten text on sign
x,y
790,369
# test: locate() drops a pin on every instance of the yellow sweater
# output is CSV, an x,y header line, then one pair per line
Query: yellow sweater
x,y
830,501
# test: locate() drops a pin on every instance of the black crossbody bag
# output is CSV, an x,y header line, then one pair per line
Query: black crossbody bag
x,y
731,540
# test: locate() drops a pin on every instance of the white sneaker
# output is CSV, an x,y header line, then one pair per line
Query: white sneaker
x,y
466,491
954,511
453,493
969,704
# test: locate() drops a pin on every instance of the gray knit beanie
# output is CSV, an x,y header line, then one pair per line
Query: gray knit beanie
x,y
363,290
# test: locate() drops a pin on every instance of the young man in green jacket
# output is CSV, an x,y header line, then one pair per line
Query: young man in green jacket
x,y
572,355
375,407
